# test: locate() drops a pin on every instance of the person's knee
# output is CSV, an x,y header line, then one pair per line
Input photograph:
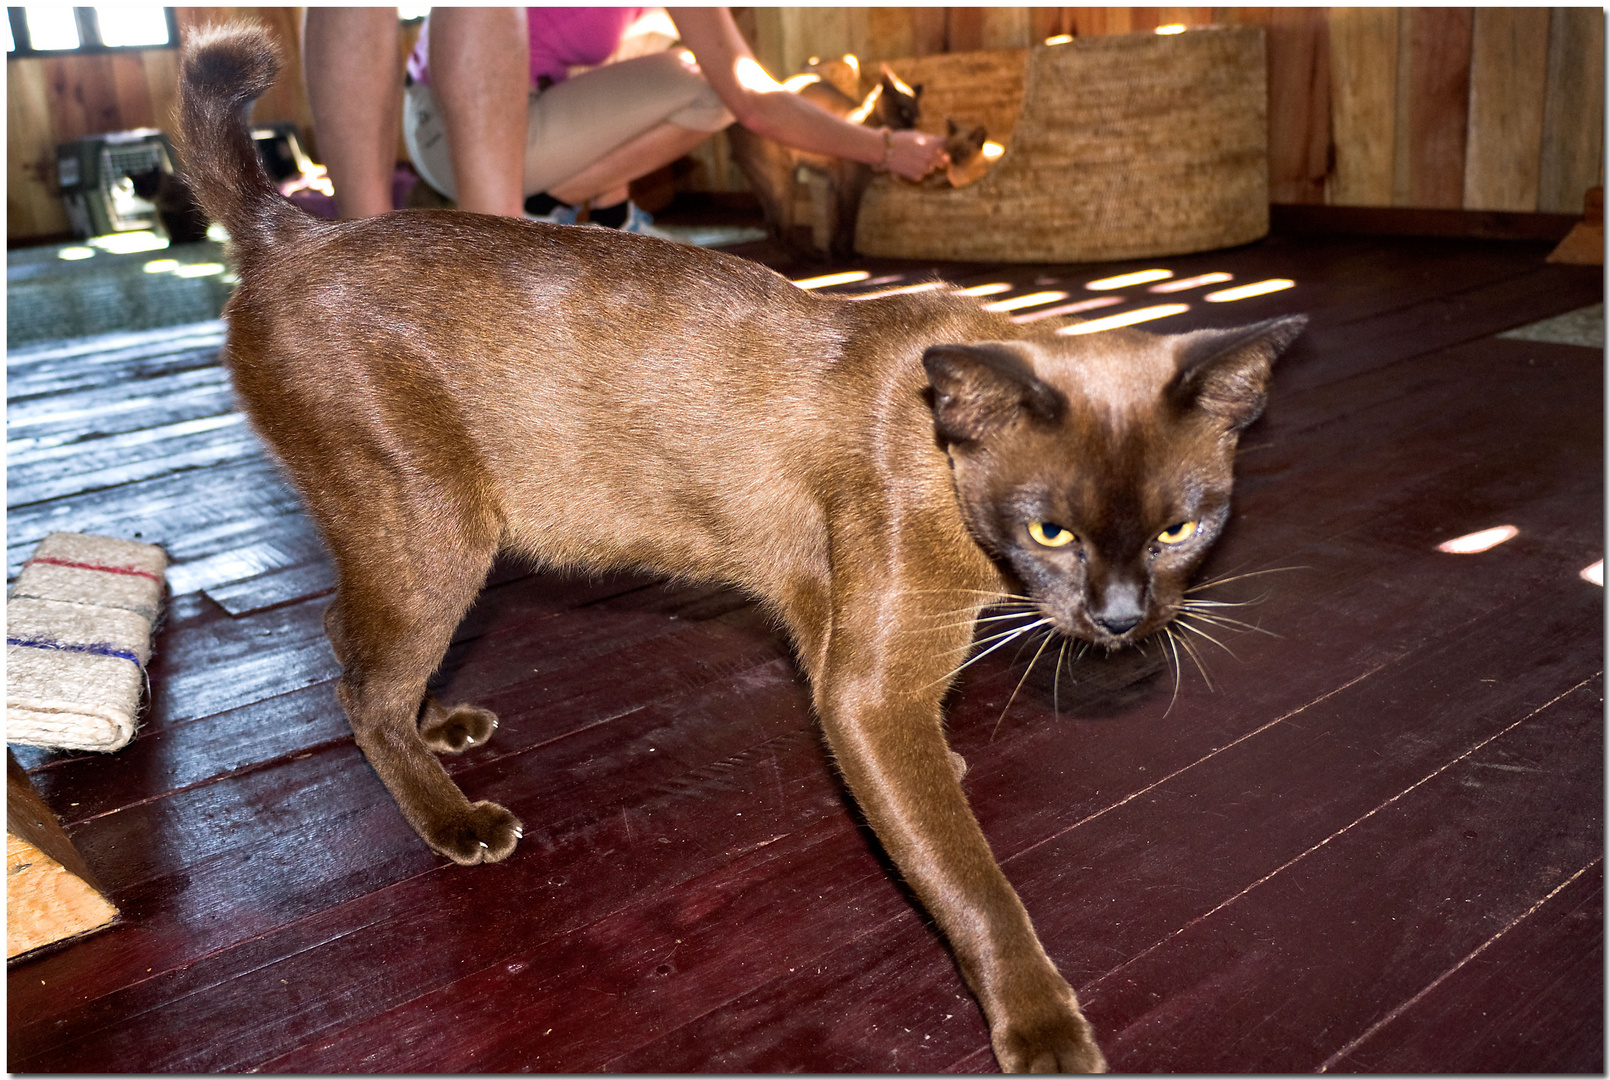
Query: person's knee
x,y
679,80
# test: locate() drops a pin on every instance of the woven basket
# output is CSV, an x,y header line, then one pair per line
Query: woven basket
x,y
1117,147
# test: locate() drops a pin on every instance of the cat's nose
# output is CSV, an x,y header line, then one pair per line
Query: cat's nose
x,y
1118,623
1121,608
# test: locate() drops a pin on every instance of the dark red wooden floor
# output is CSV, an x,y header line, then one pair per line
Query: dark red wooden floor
x,y
1374,845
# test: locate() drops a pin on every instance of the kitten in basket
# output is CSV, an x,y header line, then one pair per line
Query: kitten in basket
x,y
771,167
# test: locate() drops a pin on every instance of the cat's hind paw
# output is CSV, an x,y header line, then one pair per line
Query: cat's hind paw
x,y
486,833
454,730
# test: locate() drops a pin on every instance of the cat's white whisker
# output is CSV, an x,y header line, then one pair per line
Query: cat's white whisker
x,y
1199,632
1168,636
1190,651
1056,679
970,592
1005,638
1012,632
1008,706
1225,621
1196,601
1225,580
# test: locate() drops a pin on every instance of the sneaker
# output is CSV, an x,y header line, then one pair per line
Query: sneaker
x,y
641,221
544,207
559,215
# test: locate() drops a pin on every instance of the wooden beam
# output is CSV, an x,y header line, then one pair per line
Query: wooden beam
x,y
1364,79
1573,112
1508,71
1299,103
1438,86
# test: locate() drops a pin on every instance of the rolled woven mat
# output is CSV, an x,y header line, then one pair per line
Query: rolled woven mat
x,y
78,635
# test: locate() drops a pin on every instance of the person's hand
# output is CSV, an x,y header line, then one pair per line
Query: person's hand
x,y
915,154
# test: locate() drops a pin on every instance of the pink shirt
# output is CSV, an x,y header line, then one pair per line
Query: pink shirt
x,y
560,37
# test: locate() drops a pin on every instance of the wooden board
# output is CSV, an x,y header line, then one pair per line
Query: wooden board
x,y
1364,76
1436,82
1508,72
694,892
1573,110
51,895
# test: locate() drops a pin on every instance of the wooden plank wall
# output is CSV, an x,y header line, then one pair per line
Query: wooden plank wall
x,y
1480,108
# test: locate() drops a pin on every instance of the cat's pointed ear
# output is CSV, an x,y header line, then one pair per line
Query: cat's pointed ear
x,y
895,84
1225,373
982,388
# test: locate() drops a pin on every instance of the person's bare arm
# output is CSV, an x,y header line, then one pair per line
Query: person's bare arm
x,y
760,104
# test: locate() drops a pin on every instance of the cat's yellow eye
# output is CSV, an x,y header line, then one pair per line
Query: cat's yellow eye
x,y
1048,535
1177,534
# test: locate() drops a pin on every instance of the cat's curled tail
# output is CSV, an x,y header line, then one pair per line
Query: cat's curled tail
x,y
224,70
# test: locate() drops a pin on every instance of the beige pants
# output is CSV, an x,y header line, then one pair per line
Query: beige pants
x,y
574,123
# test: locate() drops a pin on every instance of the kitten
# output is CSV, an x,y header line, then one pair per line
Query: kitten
x,y
968,162
176,206
441,386
770,167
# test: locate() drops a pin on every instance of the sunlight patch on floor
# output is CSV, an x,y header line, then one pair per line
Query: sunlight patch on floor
x,y
1124,281
1477,542
822,281
1125,318
1069,309
1035,299
1190,283
898,290
1243,292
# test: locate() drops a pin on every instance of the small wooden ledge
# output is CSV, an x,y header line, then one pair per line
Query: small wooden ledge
x,y
50,893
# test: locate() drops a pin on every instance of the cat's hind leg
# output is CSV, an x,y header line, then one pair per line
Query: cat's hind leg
x,y
446,729
392,630
413,537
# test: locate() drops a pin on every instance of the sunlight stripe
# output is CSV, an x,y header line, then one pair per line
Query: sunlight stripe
x,y
1069,309
984,290
1190,283
1125,318
899,290
1242,292
1013,303
1124,281
825,280
1477,542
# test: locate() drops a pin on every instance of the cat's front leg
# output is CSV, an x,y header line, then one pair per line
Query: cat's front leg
x,y
878,692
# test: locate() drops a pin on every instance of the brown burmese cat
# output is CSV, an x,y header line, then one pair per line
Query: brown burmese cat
x,y
770,167
442,385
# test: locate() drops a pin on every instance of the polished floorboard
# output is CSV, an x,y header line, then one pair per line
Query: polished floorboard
x,y
1363,833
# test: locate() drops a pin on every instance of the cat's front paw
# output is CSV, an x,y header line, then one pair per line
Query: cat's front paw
x,y
454,730
485,833
1051,1040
